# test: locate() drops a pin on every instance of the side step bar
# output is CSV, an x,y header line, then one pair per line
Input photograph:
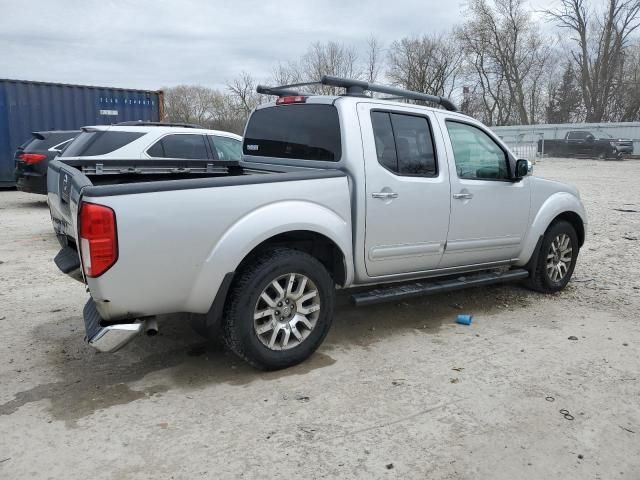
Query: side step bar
x,y
417,289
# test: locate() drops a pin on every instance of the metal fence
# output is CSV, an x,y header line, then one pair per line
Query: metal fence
x,y
523,139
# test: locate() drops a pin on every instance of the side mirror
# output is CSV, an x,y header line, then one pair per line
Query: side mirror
x,y
523,168
590,138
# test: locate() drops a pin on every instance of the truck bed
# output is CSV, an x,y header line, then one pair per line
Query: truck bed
x,y
169,230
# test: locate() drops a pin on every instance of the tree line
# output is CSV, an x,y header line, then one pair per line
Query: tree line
x,y
505,65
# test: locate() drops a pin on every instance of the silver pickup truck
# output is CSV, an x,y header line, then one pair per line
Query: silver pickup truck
x,y
398,199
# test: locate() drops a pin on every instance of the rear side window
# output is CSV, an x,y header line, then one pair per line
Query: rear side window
x,y
88,144
227,148
404,143
180,146
304,131
50,140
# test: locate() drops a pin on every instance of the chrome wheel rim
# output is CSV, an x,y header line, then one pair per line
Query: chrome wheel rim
x,y
559,257
286,312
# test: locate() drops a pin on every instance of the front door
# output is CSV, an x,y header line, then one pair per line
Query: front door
x,y
489,212
407,190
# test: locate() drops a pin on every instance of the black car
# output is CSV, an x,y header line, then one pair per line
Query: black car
x,y
584,143
32,158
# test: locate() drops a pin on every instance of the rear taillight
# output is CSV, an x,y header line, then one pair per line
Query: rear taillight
x,y
291,99
98,238
31,158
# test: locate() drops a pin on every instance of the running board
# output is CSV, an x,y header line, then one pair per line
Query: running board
x,y
418,289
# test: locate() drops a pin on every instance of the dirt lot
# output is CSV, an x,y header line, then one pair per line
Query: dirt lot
x,y
397,391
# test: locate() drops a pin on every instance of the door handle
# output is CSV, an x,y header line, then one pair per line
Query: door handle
x,y
463,196
384,195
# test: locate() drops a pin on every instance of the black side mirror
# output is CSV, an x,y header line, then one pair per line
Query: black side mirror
x,y
590,138
523,168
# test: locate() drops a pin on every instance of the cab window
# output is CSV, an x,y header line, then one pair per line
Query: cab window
x,y
477,156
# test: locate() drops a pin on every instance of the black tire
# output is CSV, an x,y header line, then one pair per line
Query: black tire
x,y
238,324
539,279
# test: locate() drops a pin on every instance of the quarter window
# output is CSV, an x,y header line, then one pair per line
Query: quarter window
x,y
93,143
180,146
227,148
404,143
476,154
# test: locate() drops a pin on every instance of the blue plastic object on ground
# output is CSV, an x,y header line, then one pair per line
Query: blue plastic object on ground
x,y
464,319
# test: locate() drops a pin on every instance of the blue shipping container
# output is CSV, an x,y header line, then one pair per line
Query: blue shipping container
x,y
27,107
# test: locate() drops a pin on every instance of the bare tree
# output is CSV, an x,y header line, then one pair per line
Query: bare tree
x,y
329,58
429,64
509,55
600,42
374,59
243,92
627,105
188,103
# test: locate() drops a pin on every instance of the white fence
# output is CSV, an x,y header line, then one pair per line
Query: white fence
x,y
523,139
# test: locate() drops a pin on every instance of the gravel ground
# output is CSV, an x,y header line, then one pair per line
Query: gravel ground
x,y
396,391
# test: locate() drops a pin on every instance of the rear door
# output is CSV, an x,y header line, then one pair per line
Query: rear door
x,y
407,189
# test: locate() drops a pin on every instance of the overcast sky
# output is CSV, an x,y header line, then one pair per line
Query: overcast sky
x,y
150,44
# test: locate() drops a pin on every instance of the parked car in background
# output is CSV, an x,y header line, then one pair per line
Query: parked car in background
x,y
34,106
332,191
107,144
581,142
32,158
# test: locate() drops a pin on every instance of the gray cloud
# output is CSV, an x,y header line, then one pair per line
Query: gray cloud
x,y
149,44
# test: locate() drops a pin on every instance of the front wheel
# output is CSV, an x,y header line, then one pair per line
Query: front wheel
x,y
279,310
556,258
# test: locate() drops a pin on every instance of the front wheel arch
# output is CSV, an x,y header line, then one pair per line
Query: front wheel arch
x,y
575,221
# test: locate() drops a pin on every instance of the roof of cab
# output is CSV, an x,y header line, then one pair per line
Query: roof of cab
x,y
332,99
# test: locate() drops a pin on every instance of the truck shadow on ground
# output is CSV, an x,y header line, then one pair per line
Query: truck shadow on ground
x,y
179,359
36,203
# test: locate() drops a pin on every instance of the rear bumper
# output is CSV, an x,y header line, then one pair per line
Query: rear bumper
x,y
32,183
68,261
107,338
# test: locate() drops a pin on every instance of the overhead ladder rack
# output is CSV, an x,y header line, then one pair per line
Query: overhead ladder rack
x,y
357,88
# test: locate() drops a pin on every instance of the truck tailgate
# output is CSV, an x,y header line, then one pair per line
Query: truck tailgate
x,y
64,185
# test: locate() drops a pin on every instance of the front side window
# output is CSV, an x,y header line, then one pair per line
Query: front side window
x,y
188,146
227,148
476,154
404,143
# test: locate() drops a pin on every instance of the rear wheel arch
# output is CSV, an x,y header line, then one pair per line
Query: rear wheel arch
x,y
319,246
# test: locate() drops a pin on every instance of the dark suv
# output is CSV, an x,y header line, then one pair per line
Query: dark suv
x,y
32,158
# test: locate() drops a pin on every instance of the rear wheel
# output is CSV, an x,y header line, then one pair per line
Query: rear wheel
x,y
279,310
556,258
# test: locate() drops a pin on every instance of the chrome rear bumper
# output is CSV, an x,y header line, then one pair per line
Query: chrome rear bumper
x,y
108,338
